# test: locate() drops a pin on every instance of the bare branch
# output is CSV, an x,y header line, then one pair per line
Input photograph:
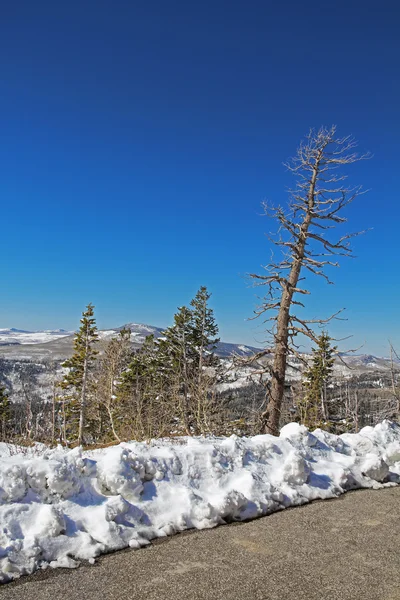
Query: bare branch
x,y
303,227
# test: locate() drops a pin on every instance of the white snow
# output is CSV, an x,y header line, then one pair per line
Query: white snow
x,y
137,337
245,349
237,377
60,507
106,333
10,336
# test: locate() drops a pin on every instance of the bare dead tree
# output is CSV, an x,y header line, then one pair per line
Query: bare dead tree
x,y
113,361
395,389
315,208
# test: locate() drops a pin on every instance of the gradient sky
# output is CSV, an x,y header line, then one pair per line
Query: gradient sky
x,y
140,138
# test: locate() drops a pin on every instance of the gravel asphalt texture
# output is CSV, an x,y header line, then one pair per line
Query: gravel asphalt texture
x,y
342,549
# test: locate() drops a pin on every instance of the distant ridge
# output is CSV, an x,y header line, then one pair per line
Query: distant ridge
x,y
58,343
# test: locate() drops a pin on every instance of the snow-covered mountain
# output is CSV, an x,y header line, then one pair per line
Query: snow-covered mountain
x,y
57,344
139,332
14,336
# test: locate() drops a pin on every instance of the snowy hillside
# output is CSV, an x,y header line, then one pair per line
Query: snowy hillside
x,y
58,344
60,507
19,336
139,332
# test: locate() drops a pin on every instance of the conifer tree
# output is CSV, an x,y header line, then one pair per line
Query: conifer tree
x,y
80,365
167,377
204,328
189,344
145,391
5,411
149,363
316,380
179,347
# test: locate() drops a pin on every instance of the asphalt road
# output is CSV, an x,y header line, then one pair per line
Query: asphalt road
x,y
341,549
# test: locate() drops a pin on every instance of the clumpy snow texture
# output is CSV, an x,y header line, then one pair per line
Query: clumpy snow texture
x,y
59,507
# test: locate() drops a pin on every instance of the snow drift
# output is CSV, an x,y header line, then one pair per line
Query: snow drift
x,y
60,507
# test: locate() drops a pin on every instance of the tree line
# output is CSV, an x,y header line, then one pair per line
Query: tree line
x,y
168,386
109,392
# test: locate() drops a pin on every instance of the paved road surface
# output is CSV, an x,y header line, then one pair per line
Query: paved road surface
x,y
341,549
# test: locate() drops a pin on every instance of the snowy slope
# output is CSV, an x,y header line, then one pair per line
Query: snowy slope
x,y
58,344
18,336
60,507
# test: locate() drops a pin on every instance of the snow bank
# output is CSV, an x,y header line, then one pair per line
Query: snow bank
x,y
60,507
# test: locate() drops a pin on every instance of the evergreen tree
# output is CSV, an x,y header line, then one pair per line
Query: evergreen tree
x,y
5,411
80,365
147,363
144,391
205,407
316,380
189,345
168,378
179,351
204,329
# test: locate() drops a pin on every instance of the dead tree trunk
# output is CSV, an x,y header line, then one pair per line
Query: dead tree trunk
x,y
395,389
316,202
272,414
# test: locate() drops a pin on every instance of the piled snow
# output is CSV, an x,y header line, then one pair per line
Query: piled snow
x,y
60,507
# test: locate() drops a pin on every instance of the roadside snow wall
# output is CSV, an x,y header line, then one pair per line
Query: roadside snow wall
x,y
60,507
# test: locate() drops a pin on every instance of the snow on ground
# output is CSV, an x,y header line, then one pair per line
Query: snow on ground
x,y
60,507
237,377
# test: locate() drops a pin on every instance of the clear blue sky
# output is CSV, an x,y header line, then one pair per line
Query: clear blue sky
x,y
138,140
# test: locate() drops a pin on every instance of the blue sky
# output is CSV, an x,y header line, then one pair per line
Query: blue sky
x,y
139,140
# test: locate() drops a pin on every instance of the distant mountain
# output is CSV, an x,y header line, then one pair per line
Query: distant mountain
x,y
368,362
139,332
16,337
13,330
226,349
57,344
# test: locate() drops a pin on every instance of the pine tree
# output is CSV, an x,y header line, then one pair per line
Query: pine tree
x,y
80,365
152,362
180,353
5,411
168,379
204,329
145,390
204,339
189,347
316,380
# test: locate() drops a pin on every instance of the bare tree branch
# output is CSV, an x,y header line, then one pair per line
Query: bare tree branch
x,y
303,238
